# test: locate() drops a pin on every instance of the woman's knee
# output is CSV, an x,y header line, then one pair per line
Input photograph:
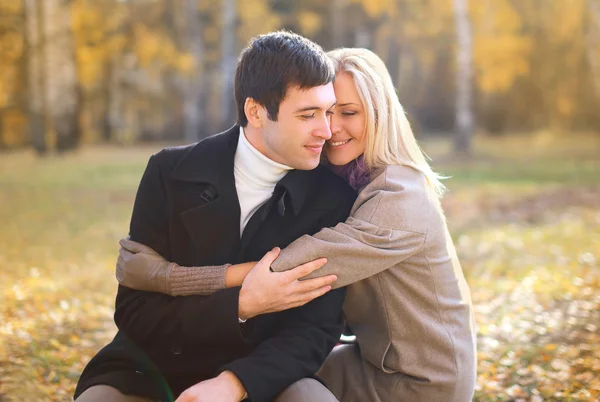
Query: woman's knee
x,y
305,390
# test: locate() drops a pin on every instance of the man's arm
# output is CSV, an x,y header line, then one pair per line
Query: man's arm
x,y
305,337
301,344
154,319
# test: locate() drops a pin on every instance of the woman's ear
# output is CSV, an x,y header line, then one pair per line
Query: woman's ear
x,y
254,113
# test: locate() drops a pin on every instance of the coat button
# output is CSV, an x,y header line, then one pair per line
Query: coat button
x,y
176,350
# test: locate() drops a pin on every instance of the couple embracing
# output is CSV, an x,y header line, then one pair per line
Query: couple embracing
x,y
248,252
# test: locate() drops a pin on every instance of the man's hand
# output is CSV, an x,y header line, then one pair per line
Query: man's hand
x,y
264,291
224,388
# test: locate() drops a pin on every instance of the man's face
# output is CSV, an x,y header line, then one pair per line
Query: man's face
x,y
297,138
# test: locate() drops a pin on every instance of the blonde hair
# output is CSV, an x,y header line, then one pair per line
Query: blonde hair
x,y
389,137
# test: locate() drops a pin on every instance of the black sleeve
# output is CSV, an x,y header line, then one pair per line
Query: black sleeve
x,y
305,337
158,320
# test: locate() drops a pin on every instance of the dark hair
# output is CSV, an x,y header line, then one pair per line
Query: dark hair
x,y
274,62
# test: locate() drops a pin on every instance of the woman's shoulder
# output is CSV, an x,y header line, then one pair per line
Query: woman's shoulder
x,y
399,198
397,179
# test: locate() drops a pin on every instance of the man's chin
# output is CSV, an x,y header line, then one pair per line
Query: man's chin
x,y
307,165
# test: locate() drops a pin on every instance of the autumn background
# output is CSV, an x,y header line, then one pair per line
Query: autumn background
x,y
504,96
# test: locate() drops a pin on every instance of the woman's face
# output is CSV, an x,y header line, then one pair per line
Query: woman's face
x,y
347,140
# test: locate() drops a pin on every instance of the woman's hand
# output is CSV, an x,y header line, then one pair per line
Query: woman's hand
x,y
140,267
265,292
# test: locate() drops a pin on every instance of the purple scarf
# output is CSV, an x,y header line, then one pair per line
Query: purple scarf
x,y
355,172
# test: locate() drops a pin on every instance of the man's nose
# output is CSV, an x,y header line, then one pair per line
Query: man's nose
x,y
334,123
323,131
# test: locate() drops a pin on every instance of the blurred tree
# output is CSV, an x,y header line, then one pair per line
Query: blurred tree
x,y
191,86
593,43
61,75
125,70
228,60
38,115
501,57
338,14
556,81
13,69
53,102
464,60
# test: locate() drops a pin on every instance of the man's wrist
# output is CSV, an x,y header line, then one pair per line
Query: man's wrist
x,y
234,384
243,311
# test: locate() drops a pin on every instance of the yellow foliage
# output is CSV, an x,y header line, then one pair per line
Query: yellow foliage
x,y
142,37
568,18
186,63
11,7
565,105
90,65
499,60
13,128
309,22
11,46
8,80
500,50
212,33
153,49
256,17
377,8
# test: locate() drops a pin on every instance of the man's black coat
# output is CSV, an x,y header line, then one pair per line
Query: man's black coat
x,y
187,209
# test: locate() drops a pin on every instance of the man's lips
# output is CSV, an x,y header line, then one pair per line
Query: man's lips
x,y
315,147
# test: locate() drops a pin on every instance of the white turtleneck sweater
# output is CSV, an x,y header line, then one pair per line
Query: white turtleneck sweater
x,y
255,178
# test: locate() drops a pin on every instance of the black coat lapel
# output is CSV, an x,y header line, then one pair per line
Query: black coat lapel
x,y
207,197
259,217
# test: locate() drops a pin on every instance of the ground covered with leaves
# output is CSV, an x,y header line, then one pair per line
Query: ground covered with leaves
x,y
524,213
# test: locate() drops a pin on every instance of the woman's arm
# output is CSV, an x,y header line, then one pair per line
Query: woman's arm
x,y
388,224
140,267
355,250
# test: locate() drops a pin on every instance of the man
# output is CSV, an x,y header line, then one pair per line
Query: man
x,y
228,199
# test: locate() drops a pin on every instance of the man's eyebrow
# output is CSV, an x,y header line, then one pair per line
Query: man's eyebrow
x,y
310,108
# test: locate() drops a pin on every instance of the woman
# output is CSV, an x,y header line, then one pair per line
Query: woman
x,y
407,301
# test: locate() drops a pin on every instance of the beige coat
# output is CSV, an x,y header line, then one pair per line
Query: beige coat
x,y
408,302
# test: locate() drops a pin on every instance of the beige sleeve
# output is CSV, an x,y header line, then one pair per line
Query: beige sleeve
x,y
388,224
185,281
355,250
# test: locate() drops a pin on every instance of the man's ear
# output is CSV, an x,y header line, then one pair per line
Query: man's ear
x,y
255,113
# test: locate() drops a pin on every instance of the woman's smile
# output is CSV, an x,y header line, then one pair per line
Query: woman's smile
x,y
337,144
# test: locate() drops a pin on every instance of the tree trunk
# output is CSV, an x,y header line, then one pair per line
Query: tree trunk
x,y
112,121
193,107
593,43
228,61
36,86
464,108
188,33
61,74
338,20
